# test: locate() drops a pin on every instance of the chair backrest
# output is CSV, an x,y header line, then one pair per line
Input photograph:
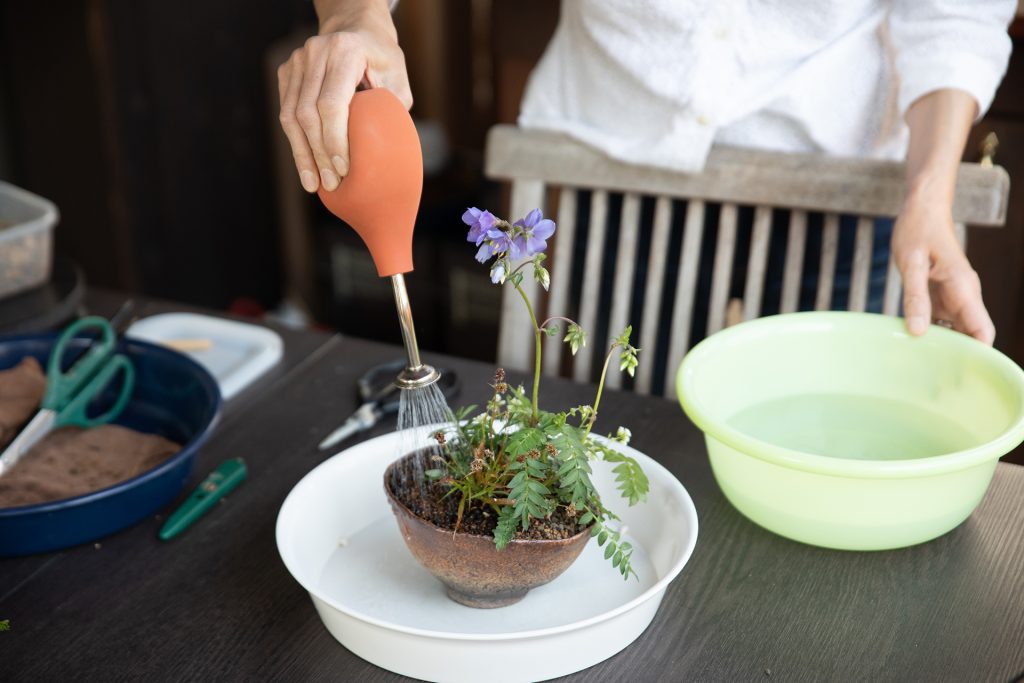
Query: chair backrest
x,y
545,166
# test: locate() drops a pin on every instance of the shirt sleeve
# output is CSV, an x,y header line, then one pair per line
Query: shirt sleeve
x,y
961,44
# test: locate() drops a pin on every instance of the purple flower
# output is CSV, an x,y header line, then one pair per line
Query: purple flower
x,y
479,222
535,232
501,243
485,252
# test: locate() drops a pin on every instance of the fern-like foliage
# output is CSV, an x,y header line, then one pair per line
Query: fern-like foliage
x,y
530,498
506,529
618,551
632,482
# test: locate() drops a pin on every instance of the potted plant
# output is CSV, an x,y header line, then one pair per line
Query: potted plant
x,y
505,501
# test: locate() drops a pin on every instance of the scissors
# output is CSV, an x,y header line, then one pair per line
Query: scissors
x,y
380,397
70,392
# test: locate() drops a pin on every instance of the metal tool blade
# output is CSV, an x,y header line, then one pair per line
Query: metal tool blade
x,y
365,417
36,429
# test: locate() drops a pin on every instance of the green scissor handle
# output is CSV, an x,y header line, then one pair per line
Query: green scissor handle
x,y
74,413
68,393
62,386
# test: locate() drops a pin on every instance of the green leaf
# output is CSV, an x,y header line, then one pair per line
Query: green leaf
x,y
538,487
609,550
505,530
433,474
575,337
523,441
623,338
632,482
464,412
538,469
602,537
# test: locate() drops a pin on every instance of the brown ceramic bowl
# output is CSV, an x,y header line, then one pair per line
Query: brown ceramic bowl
x,y
474,571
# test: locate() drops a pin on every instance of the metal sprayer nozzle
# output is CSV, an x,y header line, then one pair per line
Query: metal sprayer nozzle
x,y
415,378
416,373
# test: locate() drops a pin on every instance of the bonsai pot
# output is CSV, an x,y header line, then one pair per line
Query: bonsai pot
x,y
476,573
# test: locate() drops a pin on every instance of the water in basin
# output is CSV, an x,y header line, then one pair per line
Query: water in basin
x,y
854,427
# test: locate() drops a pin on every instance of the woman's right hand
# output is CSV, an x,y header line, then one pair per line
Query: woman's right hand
x,y
357,45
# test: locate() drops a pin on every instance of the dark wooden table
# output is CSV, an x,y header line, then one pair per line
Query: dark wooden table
x,y
217,604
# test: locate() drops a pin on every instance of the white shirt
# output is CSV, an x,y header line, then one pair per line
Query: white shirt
x,y
657,81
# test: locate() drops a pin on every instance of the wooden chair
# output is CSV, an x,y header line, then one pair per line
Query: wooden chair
x,y
548,166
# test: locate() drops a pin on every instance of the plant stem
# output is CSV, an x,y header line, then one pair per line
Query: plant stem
x,y
557,317
536,362
600,388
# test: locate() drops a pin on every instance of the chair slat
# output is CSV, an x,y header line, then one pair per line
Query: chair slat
x,y
686,288
722,274
759,237
560,265
827,269
513,354
893,289
625,265
744,176
652,291
792,274
860,278
591,282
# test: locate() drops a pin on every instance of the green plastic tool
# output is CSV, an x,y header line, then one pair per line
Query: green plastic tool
x,y
218,484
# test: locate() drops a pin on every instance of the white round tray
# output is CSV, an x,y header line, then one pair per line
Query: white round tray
x,y
338,538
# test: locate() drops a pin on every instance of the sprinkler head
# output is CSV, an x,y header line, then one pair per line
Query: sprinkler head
x,y
417,377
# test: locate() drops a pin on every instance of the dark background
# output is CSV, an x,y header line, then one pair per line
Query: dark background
x,y
153,126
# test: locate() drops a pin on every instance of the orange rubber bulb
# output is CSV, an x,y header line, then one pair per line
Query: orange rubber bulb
x,y
380,196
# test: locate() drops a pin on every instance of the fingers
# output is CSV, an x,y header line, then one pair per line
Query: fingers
x,y
289,80
917,306
343,73
316,86
309,116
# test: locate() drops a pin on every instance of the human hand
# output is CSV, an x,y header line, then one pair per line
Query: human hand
x,y
357,45
938,281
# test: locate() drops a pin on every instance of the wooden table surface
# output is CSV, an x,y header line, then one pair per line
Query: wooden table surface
x,y
217,603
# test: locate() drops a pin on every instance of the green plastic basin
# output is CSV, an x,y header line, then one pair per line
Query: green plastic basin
x,y
843,431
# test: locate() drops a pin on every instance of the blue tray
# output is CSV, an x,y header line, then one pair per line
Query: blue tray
x,y
173,396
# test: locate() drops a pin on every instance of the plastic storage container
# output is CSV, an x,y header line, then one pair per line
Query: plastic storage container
x,y
26,239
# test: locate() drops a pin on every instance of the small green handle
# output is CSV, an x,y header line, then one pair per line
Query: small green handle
x,y
74,413
217,484
62,387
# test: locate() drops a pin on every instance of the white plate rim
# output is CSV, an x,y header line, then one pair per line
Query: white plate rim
x,y
655,590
